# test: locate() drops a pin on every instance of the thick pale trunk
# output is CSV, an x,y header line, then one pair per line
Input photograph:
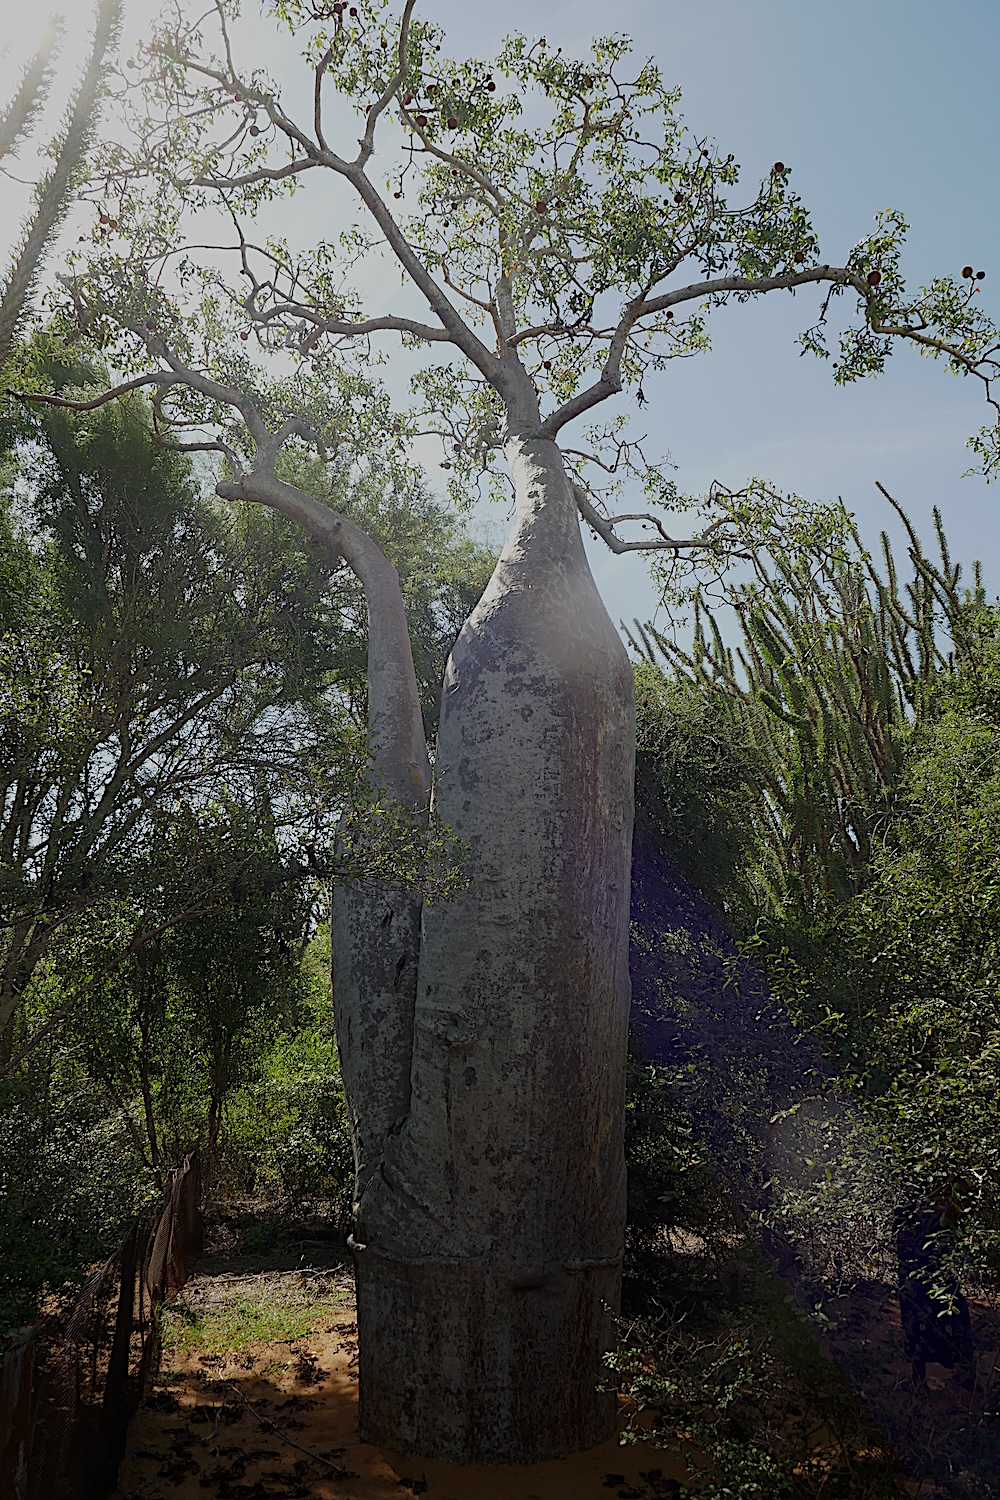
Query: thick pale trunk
x,y
486,1082
490,1240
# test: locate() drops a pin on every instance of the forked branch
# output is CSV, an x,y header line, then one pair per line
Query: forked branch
x,y
604,526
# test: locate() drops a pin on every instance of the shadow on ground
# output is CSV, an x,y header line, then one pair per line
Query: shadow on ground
x,y
243,1417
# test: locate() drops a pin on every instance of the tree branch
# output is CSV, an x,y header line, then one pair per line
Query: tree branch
x,y
391,90
259,174
395,726
458,331
345,328
785,280
609,382
604,526
42,398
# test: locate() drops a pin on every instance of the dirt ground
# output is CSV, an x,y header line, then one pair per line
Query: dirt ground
x,y
257,1398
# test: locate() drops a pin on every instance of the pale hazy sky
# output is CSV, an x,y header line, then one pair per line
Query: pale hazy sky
x,y
875,104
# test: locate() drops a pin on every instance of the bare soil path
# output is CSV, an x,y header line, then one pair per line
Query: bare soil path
x,y
256,1399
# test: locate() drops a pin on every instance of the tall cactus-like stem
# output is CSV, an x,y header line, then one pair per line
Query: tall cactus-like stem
x,y
20,114
53,194
835,661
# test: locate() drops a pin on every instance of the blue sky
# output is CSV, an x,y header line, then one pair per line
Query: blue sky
x,y
881,104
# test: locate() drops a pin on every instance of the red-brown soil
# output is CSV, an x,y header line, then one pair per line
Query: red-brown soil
x,y
279,1419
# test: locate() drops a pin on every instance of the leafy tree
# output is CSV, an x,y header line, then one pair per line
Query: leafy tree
x,y
154,648
903,978
568,235
184,1020
149,654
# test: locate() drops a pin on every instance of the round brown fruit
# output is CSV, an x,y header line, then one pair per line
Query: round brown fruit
x,y
967,272
255,130
547,364
678,197
874,277
980,275
541,206
778,167
670,315
452,123
491,87
421,121
799,257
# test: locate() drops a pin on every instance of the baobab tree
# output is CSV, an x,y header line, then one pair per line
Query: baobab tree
x,y
560,235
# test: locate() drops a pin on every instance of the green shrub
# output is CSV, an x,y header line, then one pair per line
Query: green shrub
x,y
286,1133
692,767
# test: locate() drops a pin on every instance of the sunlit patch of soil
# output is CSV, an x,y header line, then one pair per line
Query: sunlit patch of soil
x,y
257,1398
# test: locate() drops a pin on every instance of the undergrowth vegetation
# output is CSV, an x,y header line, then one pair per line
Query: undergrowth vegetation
x,y
817,952
264,1310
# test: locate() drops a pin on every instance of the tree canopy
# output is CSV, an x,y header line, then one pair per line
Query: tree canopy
x,y
562,226
158,652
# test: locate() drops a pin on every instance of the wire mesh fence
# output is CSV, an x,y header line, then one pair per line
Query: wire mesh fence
x,y
70,1385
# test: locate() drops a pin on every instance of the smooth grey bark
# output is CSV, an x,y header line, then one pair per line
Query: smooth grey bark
x,y
489,1243
376,931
